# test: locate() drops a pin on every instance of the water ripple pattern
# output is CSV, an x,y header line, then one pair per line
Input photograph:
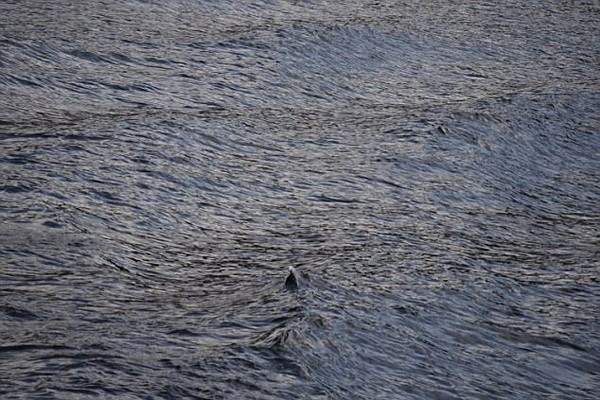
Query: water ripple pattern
x,y
431,170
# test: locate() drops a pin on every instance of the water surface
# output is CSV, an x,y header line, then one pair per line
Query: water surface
x,y
431,170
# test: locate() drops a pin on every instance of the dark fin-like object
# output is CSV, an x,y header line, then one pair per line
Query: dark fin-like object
x,y
291,282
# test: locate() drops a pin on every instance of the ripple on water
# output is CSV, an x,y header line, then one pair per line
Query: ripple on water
x,y
430,170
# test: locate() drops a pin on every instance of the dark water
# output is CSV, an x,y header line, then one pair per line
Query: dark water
x,y
431,169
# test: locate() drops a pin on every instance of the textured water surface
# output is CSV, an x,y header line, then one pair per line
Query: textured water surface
x,y
431,170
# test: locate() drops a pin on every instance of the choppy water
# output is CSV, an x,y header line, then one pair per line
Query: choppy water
x,y
432,169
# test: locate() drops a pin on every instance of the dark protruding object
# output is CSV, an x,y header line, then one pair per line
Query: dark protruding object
x,y
291,282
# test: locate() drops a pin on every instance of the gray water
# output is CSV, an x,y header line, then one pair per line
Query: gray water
x,y
430,169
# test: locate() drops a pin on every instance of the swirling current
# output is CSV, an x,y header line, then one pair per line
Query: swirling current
x,y
431,170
